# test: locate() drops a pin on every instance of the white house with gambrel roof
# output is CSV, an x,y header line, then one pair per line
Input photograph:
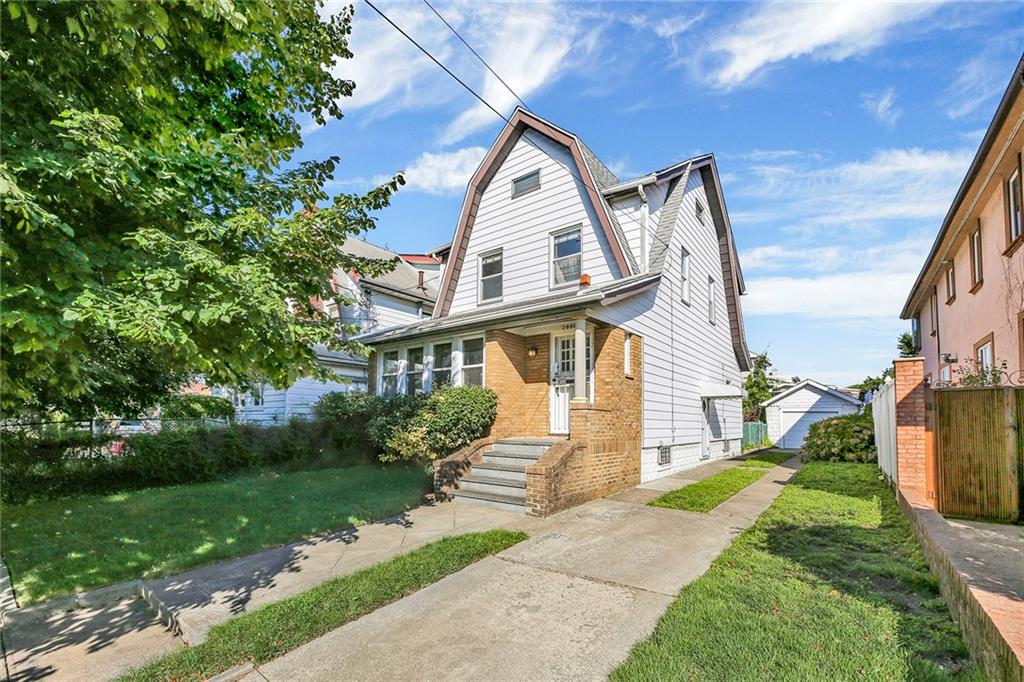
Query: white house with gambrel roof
x,y
602,312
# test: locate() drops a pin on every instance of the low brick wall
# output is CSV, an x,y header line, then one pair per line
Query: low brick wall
x,y
987,644
449,470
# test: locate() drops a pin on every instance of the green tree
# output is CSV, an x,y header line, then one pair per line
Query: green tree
x,y
758,389
906,346
142,197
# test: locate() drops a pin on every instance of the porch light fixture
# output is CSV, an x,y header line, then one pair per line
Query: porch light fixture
x,y
532,352
950,358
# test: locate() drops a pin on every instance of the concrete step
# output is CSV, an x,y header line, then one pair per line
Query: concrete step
x,y
521,447
509,459
492,500
500,486
511,472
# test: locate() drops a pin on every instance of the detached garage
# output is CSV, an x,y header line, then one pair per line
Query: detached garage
x,y
791,413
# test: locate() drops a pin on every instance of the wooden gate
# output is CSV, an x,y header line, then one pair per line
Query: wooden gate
x,y
978,447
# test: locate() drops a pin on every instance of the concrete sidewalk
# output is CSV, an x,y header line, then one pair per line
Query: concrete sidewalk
x,y
568,603
99,637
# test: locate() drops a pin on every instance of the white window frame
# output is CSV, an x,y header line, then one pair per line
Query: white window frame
x,y
1014,199
480,276
551,256
397,373
699,211
434,368
684,275
483,360
977,264
989,347
534,188
423,368
945,374
712,301
950,283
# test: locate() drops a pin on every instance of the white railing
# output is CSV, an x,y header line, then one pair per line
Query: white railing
x,y
883,409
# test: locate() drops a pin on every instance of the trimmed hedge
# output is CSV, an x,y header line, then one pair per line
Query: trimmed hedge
x,y
48,466
849,438
415,427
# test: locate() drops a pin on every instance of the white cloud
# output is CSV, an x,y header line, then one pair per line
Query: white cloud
x,y
893,184
978,81
670,27
824,31
882,105
858,295
443,174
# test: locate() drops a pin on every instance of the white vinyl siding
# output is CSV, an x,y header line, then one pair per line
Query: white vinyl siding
x,y
297,401
680,349
521,227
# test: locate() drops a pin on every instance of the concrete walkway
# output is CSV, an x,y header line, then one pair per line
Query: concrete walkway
x,y
101,634
568,603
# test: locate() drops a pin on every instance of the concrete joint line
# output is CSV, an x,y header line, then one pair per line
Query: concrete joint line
x,y
570,574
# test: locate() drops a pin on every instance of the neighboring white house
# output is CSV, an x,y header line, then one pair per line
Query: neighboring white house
x,y
567,287
791,413
404,295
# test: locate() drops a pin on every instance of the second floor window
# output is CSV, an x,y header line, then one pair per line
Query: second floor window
x,y
976,270
1016,220
712,302
490,276
565,257
389,373
414,371
684,277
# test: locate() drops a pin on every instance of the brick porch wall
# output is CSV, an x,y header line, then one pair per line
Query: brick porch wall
x,y
603,453
910,422
520,382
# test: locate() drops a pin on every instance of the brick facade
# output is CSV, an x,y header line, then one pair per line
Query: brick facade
x,y
520,382
910,422
603,451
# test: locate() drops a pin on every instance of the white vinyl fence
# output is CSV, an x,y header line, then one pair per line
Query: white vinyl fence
x,y
883,409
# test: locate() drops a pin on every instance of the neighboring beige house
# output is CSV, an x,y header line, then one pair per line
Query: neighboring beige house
x,y
605,314
968,300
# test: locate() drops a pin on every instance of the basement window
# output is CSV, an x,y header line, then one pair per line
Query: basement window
x,y
664,455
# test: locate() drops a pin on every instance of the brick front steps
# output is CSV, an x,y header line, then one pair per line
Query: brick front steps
x,y
499,479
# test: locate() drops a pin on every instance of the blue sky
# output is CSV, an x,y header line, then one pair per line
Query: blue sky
x,y
841,132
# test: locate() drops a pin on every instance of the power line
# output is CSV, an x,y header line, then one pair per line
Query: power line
x,y
653,235
434,59
476,54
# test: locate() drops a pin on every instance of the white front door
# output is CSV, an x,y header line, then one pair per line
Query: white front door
x,y
563,370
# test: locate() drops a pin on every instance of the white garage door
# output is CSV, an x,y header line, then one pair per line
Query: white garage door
x,y
796,423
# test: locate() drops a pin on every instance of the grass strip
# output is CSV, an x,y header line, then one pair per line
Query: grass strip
x,y
68,545
767,459
705,495
277,628
828,584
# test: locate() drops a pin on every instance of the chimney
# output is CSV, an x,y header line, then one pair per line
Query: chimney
x,y
421,285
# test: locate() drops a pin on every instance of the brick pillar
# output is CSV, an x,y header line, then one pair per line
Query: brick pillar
x,y
910,422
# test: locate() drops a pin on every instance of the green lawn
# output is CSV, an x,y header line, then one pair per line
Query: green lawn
x,y
278,628
767,459
63,546
829,584
705,495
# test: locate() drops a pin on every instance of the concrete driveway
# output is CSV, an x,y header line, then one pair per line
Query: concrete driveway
x,y
567,604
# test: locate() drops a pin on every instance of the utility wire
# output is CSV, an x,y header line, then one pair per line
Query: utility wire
x,y
477,55
434,59
651,234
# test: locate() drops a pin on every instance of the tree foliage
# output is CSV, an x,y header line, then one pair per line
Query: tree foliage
x,y
758,389
142,197
906,346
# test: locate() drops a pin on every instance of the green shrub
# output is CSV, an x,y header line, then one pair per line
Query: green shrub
x,y
195,406
393,417
849,438
352,406
43,466
448,419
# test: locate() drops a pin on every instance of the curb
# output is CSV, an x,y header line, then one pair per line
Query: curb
x,y
95,598
234,674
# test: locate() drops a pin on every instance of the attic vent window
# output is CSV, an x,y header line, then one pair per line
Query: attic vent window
x,y
525,184
698,211
664,455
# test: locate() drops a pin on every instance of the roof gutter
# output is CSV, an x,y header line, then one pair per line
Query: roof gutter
x,y
1005,104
